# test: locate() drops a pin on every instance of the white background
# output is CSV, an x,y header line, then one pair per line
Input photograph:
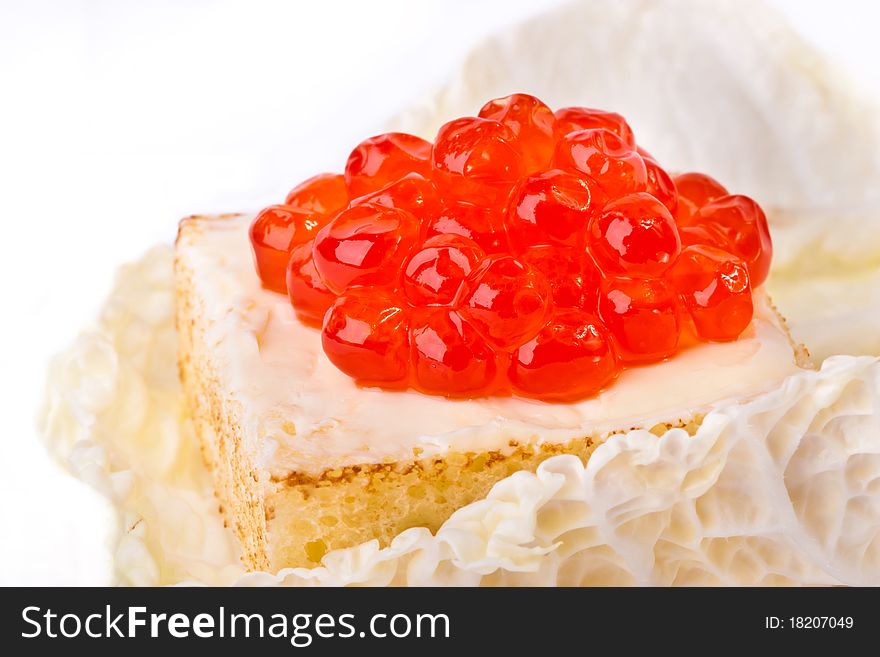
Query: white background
x,y
119,117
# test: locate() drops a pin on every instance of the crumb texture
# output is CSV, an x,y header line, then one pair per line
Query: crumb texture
x,y
348,507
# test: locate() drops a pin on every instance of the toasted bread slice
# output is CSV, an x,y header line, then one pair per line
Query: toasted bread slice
x,y
304,461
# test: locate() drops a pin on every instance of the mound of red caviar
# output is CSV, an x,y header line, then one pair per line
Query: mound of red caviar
x,y
522,252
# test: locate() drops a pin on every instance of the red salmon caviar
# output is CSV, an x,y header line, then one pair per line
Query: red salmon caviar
x,y
572,274
307,292
634,236
694,191
552,207
413,193
570,358
482,225
660,184
325,194
572,119
714,286
604,157
476,160
365,336
744,228
448,356
643,316
274,233
521,252
533,124
433,274
365,245
505,300
381,160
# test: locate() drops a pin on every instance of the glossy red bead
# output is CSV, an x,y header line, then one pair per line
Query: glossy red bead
x,y
660,184
476,160
605,158
573,119
325,194
364,245
483,225
413,193
274,233
365,335
714,286
434,273
634,236
571,273
694,191
307,292
703,234
571,358
533,124
448,356
383,159
744,226
643,317
553,208
505,300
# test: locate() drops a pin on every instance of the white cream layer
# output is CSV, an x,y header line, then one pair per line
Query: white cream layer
x,y
276,368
